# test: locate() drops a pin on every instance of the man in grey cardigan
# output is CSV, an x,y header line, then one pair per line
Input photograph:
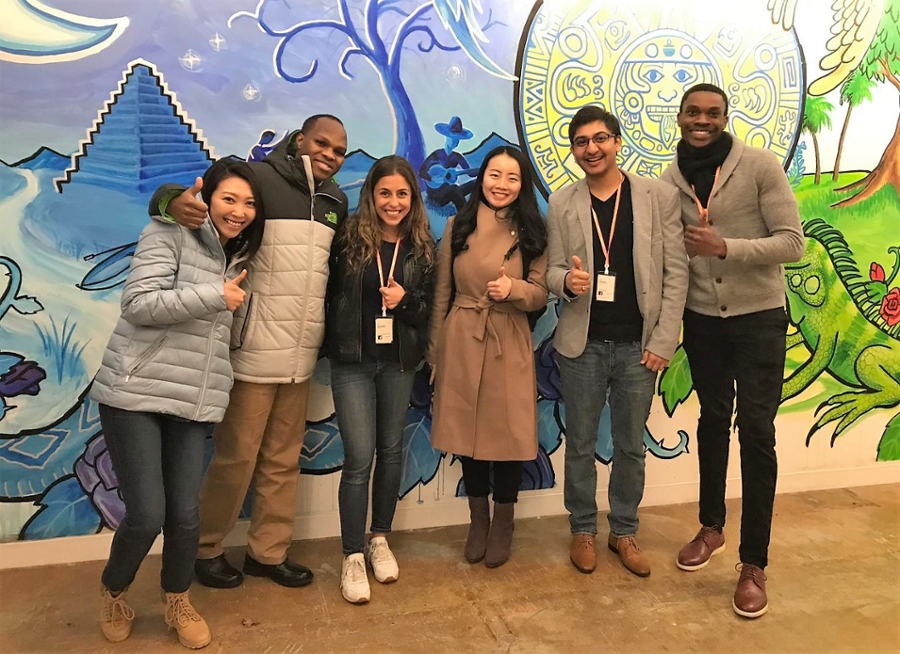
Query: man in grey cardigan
x,y
616,255
741,224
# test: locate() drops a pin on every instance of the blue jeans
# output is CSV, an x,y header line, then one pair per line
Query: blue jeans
x,y
614,367
158,461
371,399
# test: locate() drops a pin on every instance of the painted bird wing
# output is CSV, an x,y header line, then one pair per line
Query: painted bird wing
x,y
855,26
460,18
783,12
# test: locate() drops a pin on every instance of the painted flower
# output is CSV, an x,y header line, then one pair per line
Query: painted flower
x,y
876,272
890,307
95,474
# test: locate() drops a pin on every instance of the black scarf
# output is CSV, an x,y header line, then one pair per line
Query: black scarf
x,y
698,165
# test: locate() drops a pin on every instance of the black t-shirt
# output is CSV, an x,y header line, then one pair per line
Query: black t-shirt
x,y
621,320
371,300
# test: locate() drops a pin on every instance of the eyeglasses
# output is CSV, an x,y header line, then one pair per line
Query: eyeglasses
x,y
599,138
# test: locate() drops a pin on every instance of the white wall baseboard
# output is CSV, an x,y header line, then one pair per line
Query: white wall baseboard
x,y
447,511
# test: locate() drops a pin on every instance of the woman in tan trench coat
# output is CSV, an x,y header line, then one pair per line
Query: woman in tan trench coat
x,y
490,273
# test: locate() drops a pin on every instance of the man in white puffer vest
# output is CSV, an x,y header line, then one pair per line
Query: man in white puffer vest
x,y
275,343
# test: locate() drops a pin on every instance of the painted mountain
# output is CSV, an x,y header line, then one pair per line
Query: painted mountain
x,y
140,139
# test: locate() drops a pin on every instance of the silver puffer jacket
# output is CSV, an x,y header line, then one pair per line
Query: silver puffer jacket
x,y
169,352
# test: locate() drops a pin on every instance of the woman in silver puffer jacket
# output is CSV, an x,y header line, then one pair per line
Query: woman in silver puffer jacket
x,y
164,378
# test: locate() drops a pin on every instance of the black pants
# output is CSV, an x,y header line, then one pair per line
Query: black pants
x,y
507,478
746,352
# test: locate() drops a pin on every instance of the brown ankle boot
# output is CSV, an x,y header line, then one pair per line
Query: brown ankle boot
x,y
193,632
499,540
115,615
479,527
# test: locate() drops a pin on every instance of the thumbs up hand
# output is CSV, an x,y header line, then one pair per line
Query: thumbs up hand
x,y
392,294
702,240
500,288
234,294
188,209
578,280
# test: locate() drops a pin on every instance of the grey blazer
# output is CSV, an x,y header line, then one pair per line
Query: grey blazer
x,y
660,263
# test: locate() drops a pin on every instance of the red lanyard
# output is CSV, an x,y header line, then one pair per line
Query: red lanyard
x,y
704,211
390,273
612,228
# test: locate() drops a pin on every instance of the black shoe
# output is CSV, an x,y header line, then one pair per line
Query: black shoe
x,y
290,574
217,573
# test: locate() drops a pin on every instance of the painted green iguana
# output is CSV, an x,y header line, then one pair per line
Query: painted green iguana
x,y
838,314
840,318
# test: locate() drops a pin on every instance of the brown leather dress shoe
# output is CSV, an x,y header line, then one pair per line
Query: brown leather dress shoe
x,y
750,599
697,553
630,554
583,553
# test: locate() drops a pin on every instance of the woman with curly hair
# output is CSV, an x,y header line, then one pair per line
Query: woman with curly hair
x,y
490,274
379,301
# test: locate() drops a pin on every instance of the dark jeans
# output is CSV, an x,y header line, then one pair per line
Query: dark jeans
x,y
747,352
507,479
158,462
371,399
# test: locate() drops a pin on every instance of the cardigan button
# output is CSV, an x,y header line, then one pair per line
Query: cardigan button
x,y
723,308
718,280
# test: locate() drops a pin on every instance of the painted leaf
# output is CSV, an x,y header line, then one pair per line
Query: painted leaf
x,y
323,450
25,304
875,291
65,511
420,460
889,446
676,383
539,473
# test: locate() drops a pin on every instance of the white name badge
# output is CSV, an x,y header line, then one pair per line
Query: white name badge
x,y
606,287
384,330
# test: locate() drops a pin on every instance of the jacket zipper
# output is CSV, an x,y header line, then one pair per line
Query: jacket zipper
x,y
209,352
149,352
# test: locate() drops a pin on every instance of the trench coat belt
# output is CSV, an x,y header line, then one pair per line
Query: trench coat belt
x,y
484,306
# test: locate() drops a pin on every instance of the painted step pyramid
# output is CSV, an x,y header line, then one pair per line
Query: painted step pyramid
x,y
140,139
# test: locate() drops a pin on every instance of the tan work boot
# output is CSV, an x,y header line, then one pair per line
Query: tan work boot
x,y
115,615
193,632
630,554
583,553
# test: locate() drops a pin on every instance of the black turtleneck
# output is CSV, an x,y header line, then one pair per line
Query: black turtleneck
x,y
698,165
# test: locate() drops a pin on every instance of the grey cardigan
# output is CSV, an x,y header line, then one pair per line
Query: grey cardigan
x,y
169,352
660,263
754,209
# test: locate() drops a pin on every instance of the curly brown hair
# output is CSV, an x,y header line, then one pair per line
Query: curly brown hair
x,y
361,235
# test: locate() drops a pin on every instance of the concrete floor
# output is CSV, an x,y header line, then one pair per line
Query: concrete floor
x,y
834,586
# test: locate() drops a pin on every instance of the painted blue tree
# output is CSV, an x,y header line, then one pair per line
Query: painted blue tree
x,y
382,42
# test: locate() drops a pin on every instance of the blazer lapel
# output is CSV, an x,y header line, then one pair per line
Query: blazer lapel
x,y
642,206
582,199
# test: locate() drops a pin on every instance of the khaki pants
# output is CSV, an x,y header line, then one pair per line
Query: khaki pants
x,y
258,440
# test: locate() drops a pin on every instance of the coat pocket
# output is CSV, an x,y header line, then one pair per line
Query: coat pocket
x,y
145,356
240,325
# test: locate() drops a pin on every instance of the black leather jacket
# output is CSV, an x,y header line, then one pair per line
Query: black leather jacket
x,y
343,311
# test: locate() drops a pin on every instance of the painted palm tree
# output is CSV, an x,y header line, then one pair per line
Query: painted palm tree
x,y
855,90
865,35
816,117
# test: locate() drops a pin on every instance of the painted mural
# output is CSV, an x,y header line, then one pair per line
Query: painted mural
x,y
102,102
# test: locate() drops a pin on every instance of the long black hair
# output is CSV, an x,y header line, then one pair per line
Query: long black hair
x,y
248,241
523,212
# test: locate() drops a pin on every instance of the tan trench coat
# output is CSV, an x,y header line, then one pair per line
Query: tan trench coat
x,y
485,394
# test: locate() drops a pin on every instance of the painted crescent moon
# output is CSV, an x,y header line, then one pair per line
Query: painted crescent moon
x,y
33,33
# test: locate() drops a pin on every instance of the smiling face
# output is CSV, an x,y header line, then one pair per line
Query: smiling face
x,y
502,181
392,197
232,207
595,160
702,118
326,145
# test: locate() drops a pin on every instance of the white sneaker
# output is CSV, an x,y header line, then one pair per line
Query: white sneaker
x,y
354,582
382,560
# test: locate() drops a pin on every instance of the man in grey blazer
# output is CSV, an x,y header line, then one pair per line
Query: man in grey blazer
x,y
617,258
